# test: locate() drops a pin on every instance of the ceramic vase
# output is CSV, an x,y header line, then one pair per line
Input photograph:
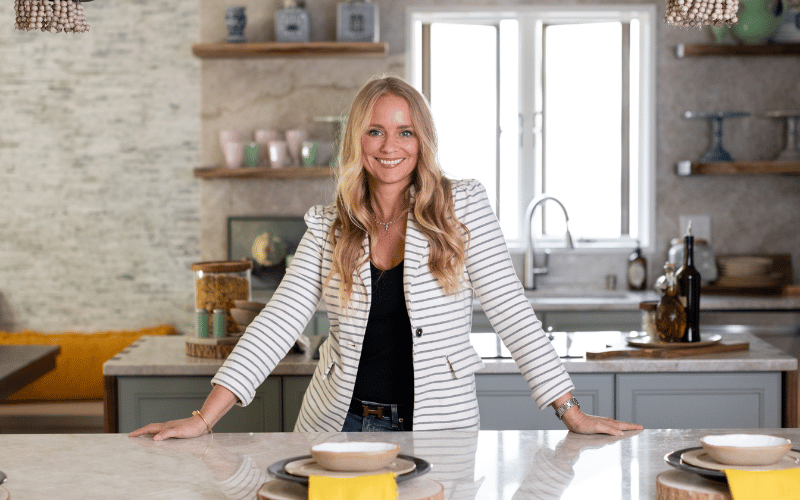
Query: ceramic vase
x,y
758,20
235,20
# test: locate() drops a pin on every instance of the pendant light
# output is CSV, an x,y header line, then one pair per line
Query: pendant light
x,y
50,15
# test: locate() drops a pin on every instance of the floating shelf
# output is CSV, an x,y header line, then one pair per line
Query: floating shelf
x,y
770,49
738,167
263,173
279,49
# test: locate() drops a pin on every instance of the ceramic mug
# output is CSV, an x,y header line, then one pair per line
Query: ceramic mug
x,y
234,154
226,136
294,141
308,152
263,137
278,154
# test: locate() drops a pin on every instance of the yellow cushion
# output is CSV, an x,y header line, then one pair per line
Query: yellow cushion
x,y
79,366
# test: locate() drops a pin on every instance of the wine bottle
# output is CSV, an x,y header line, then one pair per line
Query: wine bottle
x,y
688,279
670,315
637,270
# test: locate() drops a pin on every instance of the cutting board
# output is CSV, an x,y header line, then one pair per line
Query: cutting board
x,y
660,353
419,488
682,485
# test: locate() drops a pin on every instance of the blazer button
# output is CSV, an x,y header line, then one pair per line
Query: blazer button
x,y
418,332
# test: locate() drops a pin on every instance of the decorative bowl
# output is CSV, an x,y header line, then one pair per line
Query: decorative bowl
x,y
355,456
746,449
243,317
250,306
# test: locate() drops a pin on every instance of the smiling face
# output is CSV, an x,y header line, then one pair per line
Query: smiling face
x,y
390,146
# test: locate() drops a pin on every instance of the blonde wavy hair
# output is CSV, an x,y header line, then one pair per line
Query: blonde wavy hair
x,y
433,207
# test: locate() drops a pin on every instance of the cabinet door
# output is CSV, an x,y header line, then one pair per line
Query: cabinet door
x,y
143,400
700,400
294,388
505,402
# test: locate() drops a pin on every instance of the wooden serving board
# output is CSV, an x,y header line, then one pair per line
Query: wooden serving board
x,y
682,485
213,348
658,353
419,488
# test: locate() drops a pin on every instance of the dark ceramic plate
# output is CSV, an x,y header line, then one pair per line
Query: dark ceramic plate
x,y
278,469
674,459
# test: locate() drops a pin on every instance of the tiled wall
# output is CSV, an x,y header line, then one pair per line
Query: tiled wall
x,y
100,215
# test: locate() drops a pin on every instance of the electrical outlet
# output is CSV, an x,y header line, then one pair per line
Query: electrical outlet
x,y
701,226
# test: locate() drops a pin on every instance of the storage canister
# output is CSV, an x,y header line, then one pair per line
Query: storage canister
x,y
649,317
219,283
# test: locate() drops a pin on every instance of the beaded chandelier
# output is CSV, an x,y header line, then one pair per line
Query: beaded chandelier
x,y
51,15
699,13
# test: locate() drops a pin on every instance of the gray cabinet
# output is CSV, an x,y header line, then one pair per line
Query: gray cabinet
x,y
505,401
294,388
143,400
700,400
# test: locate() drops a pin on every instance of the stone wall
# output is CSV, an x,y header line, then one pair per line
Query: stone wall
x,y
99,133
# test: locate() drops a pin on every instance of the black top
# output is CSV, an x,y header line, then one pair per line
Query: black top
x,y
385,371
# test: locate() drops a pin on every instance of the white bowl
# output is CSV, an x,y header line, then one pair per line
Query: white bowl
x,y
249,305
355,456
243,317
746,449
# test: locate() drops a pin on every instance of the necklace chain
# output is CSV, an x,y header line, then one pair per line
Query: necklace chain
x,y
387,224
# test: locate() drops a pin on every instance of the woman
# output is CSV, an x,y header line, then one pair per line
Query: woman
x,y
397,260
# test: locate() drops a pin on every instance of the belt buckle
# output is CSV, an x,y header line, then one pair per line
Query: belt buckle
x,y
378,412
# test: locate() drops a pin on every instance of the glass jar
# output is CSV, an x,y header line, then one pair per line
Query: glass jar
x,y
218,284
649,317
704,260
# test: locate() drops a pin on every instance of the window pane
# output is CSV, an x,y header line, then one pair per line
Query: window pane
x,y
464,101
582,124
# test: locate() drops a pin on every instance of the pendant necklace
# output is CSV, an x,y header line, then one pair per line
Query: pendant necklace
x,y
387,224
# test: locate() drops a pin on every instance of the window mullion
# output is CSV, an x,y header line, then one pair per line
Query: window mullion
x,y
625,132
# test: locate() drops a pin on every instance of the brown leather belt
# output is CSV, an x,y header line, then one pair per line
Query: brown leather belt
x,y
366,410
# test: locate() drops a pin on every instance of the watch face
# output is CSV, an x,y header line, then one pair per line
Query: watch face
x,y
357,22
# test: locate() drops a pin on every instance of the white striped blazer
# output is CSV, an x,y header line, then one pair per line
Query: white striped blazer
x,y
444,361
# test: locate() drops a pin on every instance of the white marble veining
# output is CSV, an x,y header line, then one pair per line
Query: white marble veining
x,y
485,465
166,356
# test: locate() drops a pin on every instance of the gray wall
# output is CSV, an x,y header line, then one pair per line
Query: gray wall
x,y
100,215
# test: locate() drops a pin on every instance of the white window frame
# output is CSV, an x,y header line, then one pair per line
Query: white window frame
x,y
646,14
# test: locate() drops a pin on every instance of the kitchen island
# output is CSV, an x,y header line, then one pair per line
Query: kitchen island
x,y
154,380
490,465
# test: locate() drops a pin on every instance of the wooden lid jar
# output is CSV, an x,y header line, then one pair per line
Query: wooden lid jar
x,y
219,283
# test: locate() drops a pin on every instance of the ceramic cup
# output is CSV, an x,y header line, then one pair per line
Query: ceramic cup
x,y
294,141
263,137
308,152
251,154
234,154
278,154
226,136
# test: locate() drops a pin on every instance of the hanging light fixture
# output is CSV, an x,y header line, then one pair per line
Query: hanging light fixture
x,y
699,13
51,15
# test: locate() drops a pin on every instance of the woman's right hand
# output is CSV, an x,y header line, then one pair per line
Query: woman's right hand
x,y
183,428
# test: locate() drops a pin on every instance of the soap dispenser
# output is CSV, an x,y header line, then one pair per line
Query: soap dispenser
x,y
637,270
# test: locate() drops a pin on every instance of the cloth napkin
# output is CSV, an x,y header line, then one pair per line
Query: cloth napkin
x,y
774,484
374,487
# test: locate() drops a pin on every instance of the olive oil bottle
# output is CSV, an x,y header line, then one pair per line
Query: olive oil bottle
x,y
688,278
670,316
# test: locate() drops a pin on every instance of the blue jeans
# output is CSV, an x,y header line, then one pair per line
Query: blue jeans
x,y
354,422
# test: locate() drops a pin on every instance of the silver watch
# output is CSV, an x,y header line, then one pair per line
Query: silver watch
x,y
566,405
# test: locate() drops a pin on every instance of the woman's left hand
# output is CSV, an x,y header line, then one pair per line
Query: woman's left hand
x,y
579,422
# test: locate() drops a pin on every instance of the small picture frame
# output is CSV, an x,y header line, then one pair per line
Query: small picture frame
x,y
267,242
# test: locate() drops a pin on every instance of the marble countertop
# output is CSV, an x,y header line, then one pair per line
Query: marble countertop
x,y
485,465
620,300
166,355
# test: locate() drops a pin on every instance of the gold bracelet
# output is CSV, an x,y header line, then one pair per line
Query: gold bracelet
x,y
197,412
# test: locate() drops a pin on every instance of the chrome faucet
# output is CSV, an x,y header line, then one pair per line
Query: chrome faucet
x,y
530,271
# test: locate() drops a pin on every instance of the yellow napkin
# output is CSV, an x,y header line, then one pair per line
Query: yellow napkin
x,y
774,484
374,487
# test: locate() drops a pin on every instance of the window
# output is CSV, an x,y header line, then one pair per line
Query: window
x,y
555,100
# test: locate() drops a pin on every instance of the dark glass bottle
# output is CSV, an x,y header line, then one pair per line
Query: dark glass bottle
x,y
670,316
689,289
637,270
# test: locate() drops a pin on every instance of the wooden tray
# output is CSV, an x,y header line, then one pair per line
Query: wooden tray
x,y
680,485
210,347
420,488
659,353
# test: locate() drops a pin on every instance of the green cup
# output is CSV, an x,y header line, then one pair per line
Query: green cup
x,y
308,152
251,154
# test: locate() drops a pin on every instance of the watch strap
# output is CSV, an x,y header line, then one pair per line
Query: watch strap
x,y
566,405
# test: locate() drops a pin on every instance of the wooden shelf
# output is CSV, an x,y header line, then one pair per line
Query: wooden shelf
x,y
770,49
278,49
739,167
262,173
